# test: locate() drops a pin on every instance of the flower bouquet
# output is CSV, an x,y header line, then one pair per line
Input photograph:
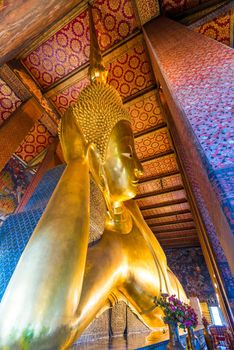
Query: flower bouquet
x,y
177,313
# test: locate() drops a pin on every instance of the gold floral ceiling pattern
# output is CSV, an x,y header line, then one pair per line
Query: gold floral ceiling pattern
x,y
68,48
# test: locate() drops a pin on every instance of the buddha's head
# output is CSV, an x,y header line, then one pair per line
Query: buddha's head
x,y
105,123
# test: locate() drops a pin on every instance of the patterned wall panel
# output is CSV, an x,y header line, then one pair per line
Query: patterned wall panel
x,y
36,141
14,180
189,266
131,72
69,48
159,184
8,101
166,209
147,9
218,29
153,143
160,166
145,112
161,198
171,218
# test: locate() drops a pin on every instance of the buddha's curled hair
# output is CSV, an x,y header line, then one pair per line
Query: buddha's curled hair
x,y
98,109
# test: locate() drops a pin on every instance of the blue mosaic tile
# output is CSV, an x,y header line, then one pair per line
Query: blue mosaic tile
x,y
45,188
18,228
14,235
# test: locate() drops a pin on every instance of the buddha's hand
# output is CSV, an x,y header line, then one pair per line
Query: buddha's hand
x,y
72,140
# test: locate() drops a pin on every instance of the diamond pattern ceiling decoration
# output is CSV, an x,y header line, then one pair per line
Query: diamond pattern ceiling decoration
x,y
153,143
159,184
131,72
145,112
8,101
166,209
181,225
167,219
160,166
69,47
161,198
35,142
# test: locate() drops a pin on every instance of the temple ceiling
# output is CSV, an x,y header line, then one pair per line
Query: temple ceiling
x,y
53,68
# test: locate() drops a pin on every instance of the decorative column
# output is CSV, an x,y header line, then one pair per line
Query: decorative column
x,y
13,132
194,73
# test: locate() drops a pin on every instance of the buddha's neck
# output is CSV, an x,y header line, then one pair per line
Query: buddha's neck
x,y
119,219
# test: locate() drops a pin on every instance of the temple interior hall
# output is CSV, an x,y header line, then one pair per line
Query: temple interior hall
x,y
169,67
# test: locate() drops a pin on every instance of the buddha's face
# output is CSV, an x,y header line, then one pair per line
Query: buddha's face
x,y
122,167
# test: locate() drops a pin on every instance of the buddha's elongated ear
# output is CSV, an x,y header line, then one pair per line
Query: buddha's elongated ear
x,y
95,162
99,175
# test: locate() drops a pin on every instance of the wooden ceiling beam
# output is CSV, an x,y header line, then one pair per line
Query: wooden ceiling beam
x,y
164,204
170,222
147,131
157,156
171,245
175,231
22,21
139,93
172,235
177,239
155,177
162,191
185,211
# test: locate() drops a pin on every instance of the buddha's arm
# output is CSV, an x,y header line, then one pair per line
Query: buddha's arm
x,y
105,269
153,244
44,291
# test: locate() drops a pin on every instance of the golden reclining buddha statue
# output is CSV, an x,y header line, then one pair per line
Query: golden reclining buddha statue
x,y
60,284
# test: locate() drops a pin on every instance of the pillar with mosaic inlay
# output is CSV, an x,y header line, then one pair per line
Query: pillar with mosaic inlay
x,y
195,77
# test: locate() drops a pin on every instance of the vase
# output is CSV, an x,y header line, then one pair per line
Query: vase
x,y
174,338
207,339
192,342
